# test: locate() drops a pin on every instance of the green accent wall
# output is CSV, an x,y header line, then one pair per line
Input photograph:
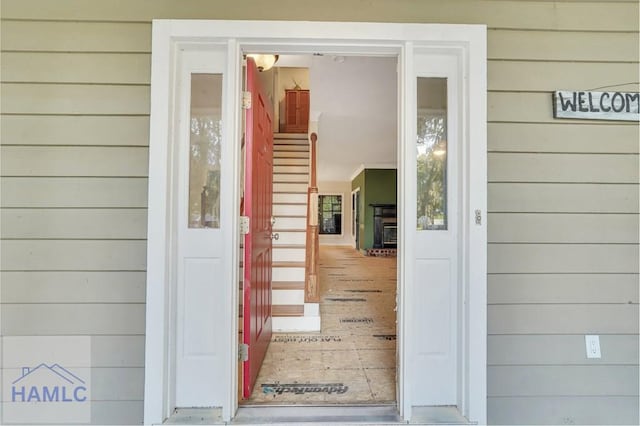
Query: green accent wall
x,y
377,186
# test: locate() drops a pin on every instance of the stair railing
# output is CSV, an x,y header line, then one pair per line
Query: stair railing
x,y
312,258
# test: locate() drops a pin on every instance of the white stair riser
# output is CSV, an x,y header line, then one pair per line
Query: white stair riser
x,y
291,162
290,154
298,177
288,254
291,169
289,209
290,198
283,254
290,187
287,274
290,148
291,222
289,237
287,297
295,324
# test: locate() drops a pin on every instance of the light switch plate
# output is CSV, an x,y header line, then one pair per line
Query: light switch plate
x,y
593,346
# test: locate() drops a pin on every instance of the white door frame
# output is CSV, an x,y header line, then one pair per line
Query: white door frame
x,y
467,42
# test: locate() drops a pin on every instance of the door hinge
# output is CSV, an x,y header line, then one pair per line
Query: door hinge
x,y
243,352
478,217
244,225
246,100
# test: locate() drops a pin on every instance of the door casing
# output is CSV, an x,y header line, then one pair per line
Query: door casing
x,y
466,42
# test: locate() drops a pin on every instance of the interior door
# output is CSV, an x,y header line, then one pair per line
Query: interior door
x,y
258,198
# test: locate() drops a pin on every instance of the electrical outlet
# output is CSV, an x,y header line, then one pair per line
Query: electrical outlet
x,y
593,346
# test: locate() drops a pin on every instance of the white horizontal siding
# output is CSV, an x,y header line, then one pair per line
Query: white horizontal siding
x,y
569,168
73,255
82,319
563,228
560,409
46,67
74,161
526,76
74,99
595,380
563,319
63,223
117,412
563,45
72,286
75,130
74,192
585,137
562,198
560,350
117,384
562,288
563,258
131,355
542,15
91,37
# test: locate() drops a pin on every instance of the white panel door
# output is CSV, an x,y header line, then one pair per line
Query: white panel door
x,y
199,268
434,369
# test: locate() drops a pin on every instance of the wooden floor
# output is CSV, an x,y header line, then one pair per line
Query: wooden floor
x,y
353,359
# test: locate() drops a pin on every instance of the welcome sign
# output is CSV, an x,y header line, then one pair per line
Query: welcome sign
x,y
620,106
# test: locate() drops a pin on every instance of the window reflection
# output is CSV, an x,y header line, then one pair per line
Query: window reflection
x,y
431,152
204,151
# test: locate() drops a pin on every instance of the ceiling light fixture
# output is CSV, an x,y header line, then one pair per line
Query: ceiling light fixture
x,y
263,62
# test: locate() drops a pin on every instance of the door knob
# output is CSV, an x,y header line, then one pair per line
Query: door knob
x,y
275,236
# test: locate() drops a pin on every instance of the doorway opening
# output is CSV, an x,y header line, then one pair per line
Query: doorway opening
x,y
348,356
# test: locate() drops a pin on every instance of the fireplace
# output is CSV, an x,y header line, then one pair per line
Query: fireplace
x,y
385,226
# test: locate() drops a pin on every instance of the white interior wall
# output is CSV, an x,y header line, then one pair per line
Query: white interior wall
x,y
357,97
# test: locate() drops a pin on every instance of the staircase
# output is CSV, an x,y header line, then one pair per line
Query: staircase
x,y
290,184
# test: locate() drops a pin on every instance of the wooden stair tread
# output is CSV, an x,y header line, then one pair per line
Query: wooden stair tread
x,y
291,173
287,285
291,181
284,147
287,310
288,264
285,135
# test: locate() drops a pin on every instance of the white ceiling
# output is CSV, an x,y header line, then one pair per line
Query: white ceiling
x,y
357,100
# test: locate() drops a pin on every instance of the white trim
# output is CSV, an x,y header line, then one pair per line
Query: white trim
x,y
320,37
361,167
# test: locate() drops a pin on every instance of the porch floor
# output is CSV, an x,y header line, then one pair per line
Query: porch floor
x,y
352,360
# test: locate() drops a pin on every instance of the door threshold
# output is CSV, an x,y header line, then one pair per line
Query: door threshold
x,y
286,415
318,414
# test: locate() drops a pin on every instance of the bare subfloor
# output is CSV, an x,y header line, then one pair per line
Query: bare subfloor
x,y
353,359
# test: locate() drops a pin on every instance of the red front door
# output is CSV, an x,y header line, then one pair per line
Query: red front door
x,y
258,197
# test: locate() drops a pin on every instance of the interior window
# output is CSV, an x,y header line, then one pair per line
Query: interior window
x,y
330,214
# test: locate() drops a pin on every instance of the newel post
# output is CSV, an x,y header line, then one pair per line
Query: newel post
x,y
312,284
